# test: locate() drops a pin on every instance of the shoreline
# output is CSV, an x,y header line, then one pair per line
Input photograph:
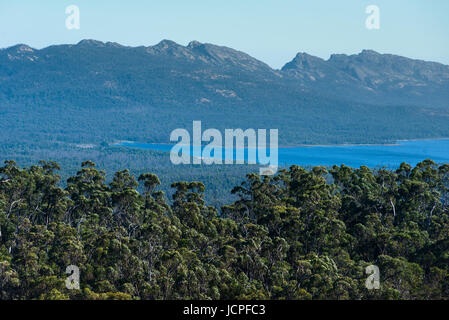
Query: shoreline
x,y
396,143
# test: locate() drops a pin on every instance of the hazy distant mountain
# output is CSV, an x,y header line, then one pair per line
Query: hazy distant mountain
x,y
95,91
374,77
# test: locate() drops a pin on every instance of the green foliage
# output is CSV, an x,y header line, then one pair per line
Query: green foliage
x,y
292,236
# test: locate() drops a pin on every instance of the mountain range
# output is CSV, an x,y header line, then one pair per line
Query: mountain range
x,y
94,92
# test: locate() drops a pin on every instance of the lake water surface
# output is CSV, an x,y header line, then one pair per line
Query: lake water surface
x,y
410,151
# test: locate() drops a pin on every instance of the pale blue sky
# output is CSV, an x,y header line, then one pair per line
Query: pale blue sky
x,y
270,30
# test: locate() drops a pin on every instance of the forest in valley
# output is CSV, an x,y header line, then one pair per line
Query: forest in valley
x,y
301,234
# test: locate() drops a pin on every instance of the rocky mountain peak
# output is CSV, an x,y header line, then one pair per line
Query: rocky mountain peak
x,y
91,43
194,44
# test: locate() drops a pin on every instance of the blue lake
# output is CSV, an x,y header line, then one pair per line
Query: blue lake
x,y
410,151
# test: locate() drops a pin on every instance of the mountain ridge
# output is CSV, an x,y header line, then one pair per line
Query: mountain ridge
x,y
366,77
97,91
191,44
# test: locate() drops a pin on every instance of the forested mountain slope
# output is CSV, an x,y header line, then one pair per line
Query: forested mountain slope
x,y
374,78
96,92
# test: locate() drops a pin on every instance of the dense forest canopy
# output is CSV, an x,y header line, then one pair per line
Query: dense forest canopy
x,y
302,234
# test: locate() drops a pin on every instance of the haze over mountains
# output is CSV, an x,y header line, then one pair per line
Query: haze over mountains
x,y
96,92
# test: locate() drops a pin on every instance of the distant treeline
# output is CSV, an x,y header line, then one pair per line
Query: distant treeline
x,y
218,180
292,236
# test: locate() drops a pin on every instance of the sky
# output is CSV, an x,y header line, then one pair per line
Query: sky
x,y
273,31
